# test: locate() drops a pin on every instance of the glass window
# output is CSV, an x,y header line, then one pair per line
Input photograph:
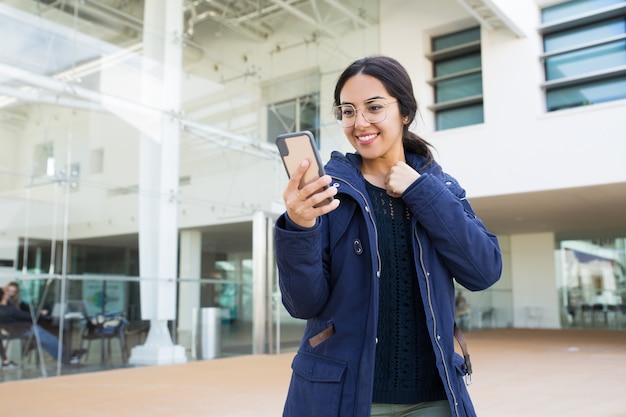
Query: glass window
x,y
458,86
463,63
301,113
585,53
584,61
281,118
573,8
455,39
309,115
461,116
586,94
580,35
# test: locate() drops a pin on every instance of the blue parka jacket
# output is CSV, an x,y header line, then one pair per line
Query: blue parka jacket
x,y
329,275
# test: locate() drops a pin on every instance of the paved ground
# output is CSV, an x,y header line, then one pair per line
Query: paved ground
x,y
573,373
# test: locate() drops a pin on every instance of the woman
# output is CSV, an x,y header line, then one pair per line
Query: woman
x,y
17,318
372,271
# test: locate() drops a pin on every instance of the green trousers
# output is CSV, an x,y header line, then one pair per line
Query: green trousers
x,y
428,409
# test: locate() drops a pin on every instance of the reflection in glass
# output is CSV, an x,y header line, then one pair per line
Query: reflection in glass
x,y
593,282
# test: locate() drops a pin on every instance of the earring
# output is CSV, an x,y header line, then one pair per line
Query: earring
x,y
405,120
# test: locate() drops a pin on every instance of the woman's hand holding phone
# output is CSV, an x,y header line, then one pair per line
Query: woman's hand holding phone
x,y
314,199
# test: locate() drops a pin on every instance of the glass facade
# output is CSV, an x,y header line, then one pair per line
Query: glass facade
x,y
592,276
118,150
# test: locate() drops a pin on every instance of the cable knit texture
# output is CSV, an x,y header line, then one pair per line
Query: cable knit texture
x,y
405,370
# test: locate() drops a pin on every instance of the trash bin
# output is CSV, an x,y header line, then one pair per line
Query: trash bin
x,y
210,332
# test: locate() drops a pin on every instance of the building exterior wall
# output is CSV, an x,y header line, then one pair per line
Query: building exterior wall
x,y
520,147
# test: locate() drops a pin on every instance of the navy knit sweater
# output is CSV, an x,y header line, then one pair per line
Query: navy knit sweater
x,y
405,370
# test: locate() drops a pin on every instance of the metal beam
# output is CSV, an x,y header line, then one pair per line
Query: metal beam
x,y
305,17
343,9
54,92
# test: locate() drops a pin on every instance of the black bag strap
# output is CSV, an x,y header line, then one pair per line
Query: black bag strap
x,y
467,366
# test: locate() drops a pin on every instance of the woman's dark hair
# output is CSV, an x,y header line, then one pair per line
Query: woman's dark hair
x,y
397,82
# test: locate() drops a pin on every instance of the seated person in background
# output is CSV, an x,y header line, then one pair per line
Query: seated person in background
x,y
461,311
20,323
12,296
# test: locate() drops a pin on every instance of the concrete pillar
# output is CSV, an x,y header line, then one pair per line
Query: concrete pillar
x,y
262,284
190,263
158,182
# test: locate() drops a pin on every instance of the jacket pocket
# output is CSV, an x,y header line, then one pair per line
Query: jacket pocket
x,y
322,336
316,386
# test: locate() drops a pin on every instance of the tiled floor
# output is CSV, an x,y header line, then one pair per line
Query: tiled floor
x,y
236,340
551,373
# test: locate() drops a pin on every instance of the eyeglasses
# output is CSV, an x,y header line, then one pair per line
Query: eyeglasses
x,y
374,111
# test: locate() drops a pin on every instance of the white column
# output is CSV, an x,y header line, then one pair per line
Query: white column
x,y
158,182
259,294
190,263
533,272
262,260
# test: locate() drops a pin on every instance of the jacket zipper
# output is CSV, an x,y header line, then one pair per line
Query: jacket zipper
x,y
369,213
432,312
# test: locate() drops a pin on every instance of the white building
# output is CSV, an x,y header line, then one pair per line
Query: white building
x,y
146,128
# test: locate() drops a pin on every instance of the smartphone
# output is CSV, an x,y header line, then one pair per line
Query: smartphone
x,y
296,147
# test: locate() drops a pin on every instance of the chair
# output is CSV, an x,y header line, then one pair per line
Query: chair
x,y
613,310
105,327
5,339
599,311
486,319
15,332
586,314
